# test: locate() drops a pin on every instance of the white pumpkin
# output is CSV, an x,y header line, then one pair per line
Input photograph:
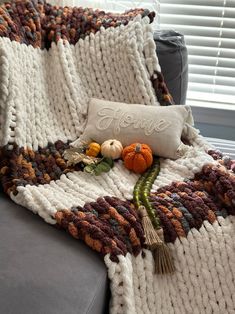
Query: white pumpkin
x,y
112,149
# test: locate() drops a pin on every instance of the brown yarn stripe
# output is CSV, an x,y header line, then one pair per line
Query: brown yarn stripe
x,y
37,23
182,206
110,225
20,166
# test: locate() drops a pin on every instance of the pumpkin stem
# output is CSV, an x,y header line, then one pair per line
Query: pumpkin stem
x,y
111,143
138,148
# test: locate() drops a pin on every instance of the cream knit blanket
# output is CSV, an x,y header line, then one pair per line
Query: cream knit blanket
x,y
44,97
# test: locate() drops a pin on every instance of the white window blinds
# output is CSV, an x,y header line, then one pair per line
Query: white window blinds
x,y
209,29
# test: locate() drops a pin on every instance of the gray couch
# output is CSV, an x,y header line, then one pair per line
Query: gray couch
x,y
46,271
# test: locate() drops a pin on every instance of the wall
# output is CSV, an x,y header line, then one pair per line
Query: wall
x,y
215,122
218,131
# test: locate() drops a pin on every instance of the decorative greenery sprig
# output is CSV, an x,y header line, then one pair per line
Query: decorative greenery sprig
x,y
91,164
104,165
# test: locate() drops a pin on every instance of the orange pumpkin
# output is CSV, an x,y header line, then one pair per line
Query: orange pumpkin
x,y
137,157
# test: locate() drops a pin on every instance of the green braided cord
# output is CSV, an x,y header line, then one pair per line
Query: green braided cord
x,y
142,191
145,193
137,189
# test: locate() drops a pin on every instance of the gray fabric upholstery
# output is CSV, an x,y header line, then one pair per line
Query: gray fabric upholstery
x,y
44,270
173,58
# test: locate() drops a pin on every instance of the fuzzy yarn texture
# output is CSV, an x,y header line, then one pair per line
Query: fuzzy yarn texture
x,y
52,61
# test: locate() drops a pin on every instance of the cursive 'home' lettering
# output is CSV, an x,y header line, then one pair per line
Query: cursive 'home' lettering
x,y
121,119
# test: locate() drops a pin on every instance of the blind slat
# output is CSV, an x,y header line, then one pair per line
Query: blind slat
x,y
208,60
207,96
211,3
212,42
211,70
197,10
212,79
197,20
213,89
192,30
211,51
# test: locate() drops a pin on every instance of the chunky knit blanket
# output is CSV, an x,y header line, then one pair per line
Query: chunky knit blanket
x,y
52,61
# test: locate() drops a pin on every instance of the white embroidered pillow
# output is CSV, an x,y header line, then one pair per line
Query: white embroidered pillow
x,y
159,127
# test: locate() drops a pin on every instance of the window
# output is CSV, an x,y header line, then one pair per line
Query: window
x,y
209,29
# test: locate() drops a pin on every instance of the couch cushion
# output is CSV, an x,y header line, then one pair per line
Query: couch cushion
x,y
44,270
173,58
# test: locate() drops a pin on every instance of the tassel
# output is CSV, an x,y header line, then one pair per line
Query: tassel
x,y
163,260
189,132
162,257
152,239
